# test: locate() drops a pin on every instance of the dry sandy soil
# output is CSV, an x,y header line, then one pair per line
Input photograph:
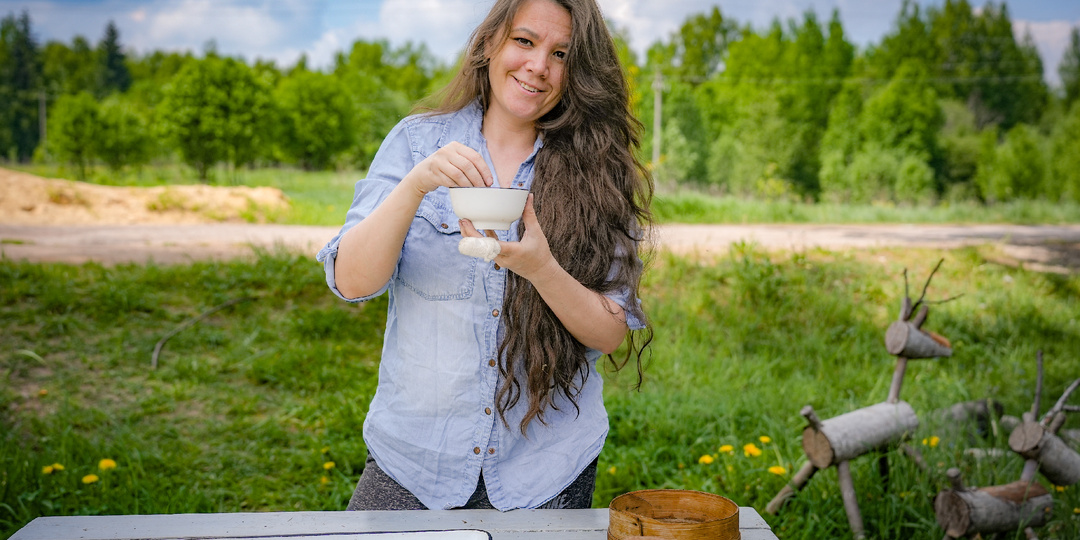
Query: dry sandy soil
x,y
63,221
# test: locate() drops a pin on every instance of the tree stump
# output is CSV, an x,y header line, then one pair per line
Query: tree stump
x,y
853,434
1058,462
904,338
993,509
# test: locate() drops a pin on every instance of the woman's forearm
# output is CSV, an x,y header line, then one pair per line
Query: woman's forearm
x,y
369,251
592,318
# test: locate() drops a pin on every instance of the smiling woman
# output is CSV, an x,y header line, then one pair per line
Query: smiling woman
x,y
489,395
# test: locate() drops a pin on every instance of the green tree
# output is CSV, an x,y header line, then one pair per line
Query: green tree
x,y
216,110
123,135
1016,169
20,86
68,70
74,126
1065,156
1069,68
700,45
113,74
316,118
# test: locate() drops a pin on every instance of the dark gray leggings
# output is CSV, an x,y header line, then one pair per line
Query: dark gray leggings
x,y
377,491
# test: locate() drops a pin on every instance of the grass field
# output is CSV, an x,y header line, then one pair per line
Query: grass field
x,y
260,406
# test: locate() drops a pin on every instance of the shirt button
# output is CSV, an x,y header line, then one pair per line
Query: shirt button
x,y
491,450
476,450
445,226
497,267
487,410
494,313
491,363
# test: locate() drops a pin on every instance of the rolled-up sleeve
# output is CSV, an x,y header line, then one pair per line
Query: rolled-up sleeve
x,y
391,163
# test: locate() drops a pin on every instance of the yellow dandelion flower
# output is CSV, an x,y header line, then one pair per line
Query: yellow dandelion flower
x,y
705,460
751,450
730,468
1060,488
48,469
43,392
727,449
90,479
765,439
57,467
612,470
934,441
1076,510
328,465
777,469
325,450
106,464
324,480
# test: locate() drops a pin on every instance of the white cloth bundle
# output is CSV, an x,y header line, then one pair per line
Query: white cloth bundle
x,y
484,248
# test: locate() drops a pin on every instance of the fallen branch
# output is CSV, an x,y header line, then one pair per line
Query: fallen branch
x,y
191,322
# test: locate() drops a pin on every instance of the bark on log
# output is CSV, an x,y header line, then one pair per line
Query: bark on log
x,y
992,509
852,434
903,338
851,504
1058,462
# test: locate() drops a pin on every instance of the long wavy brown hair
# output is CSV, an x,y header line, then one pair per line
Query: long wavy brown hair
x,y
592,196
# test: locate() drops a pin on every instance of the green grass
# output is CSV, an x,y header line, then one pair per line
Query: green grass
x,y
321,198
248,405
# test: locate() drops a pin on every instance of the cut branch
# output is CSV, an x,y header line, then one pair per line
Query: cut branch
x,y
191,322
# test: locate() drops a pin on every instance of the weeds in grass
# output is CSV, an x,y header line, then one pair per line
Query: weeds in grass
x,y
248,407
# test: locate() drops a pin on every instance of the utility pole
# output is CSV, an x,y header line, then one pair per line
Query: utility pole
x,y
657,122
41,119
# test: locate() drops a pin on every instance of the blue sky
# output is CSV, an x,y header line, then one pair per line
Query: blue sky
x,y
282,30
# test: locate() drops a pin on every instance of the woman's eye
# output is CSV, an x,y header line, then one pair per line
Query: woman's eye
x,y
523,41
561,55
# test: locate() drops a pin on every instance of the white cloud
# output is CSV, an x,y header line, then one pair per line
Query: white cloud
x,y
1051,39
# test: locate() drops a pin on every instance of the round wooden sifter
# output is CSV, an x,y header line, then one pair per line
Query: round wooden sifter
x,y
674,514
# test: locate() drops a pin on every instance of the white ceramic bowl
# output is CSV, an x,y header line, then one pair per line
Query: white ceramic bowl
x,y
488,207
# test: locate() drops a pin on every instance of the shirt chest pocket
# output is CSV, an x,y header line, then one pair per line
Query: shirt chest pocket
x,y
431,265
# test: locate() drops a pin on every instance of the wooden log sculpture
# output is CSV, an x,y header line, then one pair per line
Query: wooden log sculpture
x,y
835,442
1037,441
853,434
1024,503
963,511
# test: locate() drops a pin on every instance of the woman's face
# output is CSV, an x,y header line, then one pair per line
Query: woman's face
x,y
527,72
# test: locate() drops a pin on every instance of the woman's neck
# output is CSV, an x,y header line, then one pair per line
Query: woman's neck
x,y
509,144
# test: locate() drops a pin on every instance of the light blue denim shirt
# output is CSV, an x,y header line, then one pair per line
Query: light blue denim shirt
x,y
432,425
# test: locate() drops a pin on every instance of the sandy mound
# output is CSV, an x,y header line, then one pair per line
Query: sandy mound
x,y
26,199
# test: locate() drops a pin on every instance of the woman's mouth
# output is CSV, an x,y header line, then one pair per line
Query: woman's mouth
x,y
527,87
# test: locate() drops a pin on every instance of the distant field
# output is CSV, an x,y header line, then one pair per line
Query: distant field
x,y
321,198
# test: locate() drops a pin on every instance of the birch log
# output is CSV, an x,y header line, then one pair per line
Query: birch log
x,y
905,339
1058,462
1006,508
852,434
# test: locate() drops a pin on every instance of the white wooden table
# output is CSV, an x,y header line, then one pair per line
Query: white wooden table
x,y
515,525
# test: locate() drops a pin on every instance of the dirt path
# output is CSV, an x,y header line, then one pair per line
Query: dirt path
x,y
1046,248
55,220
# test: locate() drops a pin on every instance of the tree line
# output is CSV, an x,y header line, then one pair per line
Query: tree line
x,y
949,105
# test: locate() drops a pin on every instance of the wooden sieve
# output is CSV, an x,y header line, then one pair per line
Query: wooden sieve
x,y
674,514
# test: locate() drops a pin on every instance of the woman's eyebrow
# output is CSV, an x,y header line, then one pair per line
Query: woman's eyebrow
x,y
536,37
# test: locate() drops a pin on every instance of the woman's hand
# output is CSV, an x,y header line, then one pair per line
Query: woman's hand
x,y
594,319
454,165
529,257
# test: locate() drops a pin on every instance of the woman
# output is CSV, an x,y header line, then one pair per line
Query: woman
x,y
488,393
